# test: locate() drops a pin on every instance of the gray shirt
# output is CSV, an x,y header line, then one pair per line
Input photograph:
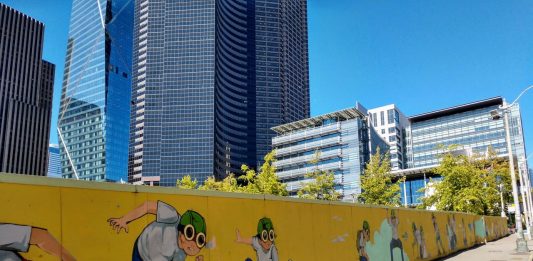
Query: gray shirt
x,y
13,239
159,240
270,255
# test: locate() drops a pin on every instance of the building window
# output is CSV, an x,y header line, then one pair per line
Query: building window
x,y
382,131
392,138
375,120
382,118
392,130
396,116
390,116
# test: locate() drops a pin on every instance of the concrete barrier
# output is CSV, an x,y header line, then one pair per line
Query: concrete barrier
x,y
43,218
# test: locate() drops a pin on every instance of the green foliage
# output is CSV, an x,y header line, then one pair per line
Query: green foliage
x,y
500,168
186,183
322,185
469,184
377,183
228,184
264,182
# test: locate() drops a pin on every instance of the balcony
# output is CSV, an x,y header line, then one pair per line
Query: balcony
x,y
308,133
306,158
308,146
302,171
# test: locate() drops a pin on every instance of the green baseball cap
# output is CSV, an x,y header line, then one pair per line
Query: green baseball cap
x,y
264,224
193,218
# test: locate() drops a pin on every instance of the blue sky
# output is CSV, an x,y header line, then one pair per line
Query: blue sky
x,y
421,55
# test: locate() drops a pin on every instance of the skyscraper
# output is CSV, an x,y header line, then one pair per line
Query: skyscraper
x,y
26,87
210,78
54,163
93,119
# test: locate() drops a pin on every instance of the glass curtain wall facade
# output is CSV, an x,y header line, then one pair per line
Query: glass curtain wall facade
x,y
93,123
470,128
172,115
411,193
341,140
281,68
211,77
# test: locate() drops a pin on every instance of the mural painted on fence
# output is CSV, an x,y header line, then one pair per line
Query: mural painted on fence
x,y
262,242
170,236
71,220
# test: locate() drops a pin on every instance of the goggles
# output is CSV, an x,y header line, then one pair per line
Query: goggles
x,y
190,234
268,235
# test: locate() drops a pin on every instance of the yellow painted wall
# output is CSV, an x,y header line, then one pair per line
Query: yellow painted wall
x,y
76,213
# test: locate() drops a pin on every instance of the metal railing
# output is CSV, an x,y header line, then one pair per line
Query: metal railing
x,y
307,146
307,158
301,171
307,133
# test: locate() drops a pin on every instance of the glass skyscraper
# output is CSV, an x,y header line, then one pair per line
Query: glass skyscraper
x,y
93,124
210,78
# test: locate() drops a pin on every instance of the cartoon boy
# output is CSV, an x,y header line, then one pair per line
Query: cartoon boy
x,y
169,237
18,238
263,242
395,241
363,236
452,237
419,243
440,248
465,241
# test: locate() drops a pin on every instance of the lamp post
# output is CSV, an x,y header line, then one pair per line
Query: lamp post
x,y
525,201
521,243
501,199
527,190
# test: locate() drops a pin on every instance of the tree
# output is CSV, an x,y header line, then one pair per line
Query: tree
x,y
500,168
467,185
377,183
266,181
228,184
186,183
322,184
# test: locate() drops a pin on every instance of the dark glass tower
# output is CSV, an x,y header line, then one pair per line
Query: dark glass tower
x,y
211,77
93,120
26,87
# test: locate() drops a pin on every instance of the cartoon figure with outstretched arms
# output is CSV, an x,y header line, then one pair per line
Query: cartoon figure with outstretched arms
x,y
170,237
263,242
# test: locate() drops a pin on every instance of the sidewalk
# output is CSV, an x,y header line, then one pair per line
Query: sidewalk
x,y
499,250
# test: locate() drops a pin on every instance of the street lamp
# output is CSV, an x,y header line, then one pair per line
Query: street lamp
x,y
527,190
521,243
501,199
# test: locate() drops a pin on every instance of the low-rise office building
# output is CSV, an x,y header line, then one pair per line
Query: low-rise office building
x,y
343,140
347,138
469,127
